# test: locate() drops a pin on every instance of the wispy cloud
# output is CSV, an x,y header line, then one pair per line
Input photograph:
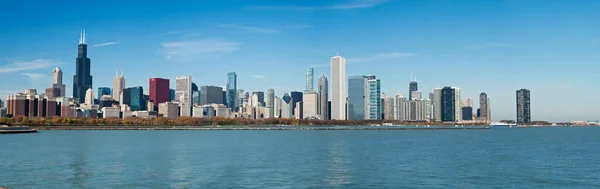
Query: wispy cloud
x,y
106,44
298,26
248,28
197,49
352,4
489,44
259,76
172,33
381,56
34,75
22,65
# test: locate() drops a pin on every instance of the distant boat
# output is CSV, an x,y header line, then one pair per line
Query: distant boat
x,y
13,130
503,125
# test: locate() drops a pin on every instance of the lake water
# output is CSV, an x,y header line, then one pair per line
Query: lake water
x,y
500,158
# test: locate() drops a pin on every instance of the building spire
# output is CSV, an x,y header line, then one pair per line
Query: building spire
x,y
411,78
81,37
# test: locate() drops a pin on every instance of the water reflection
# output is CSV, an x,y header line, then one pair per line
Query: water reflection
x,y
338,173
81,171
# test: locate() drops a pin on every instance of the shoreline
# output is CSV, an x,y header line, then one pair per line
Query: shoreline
x,y
258,128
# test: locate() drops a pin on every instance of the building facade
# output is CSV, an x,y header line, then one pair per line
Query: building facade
x,y
211,95
387,102
373,99
357,97
231,91
271,102
323,97
159,91
118,86
450,104
57,82
309,105
183,94
523,106
82,80
104,91
483,107
338,88
310,79
168,110
134,98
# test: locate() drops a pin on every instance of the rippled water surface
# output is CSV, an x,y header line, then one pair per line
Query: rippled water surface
x,y
505,158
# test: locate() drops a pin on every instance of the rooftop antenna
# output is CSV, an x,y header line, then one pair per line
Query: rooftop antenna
x,y
121,73
411,78
81,37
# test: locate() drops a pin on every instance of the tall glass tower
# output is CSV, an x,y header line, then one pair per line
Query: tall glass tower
x,y
309,79
356,97
82,80
523,106
231,91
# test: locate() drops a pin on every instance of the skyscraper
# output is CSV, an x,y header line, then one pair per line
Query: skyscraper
x,y
413,86
271,102
134,98
118,86
309,103
357,92
159,91
523,106
89,98
232,94
373,98
82,80
483,107
183,93
309,79
450,104
211,95
57,76
323,97
296,97
103,91
338,88
388,107
260,97
286,106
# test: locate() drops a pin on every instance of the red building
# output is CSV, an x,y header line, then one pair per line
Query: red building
x,y
159,91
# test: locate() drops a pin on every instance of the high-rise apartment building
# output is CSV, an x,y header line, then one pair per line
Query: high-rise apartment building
x,y
437,104
82,80
118,86
231,92
159,91
414,110
387,103
338,88
323,97
373,98
450,104
183,94
483,107
523,106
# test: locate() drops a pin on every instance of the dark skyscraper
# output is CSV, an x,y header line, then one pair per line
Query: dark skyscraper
x,y
523,106
82,80
231,90
211,95
413,86
134,97
448,104
483,106
296,97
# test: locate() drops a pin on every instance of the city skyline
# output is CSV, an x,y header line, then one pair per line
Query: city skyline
x,y
499,76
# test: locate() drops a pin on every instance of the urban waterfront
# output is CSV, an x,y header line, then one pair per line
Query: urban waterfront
x,y
560,157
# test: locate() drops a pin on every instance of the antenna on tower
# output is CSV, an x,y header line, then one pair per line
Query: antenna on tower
x,y
81,37
84,36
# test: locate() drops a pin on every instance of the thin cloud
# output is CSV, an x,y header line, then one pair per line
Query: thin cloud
x,y
34,75
259,76
106,44
172,33
248,28
22,66
298,26
197,49
354,4
381,56
489,44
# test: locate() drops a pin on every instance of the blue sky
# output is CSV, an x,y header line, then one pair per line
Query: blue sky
x,y
549,47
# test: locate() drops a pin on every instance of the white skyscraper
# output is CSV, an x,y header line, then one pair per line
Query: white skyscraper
x,y
338,88
309,105
388,107
183,93
457,107
118,86
57,81
89,98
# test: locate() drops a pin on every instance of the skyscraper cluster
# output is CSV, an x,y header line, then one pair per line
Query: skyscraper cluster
x,y
338,97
